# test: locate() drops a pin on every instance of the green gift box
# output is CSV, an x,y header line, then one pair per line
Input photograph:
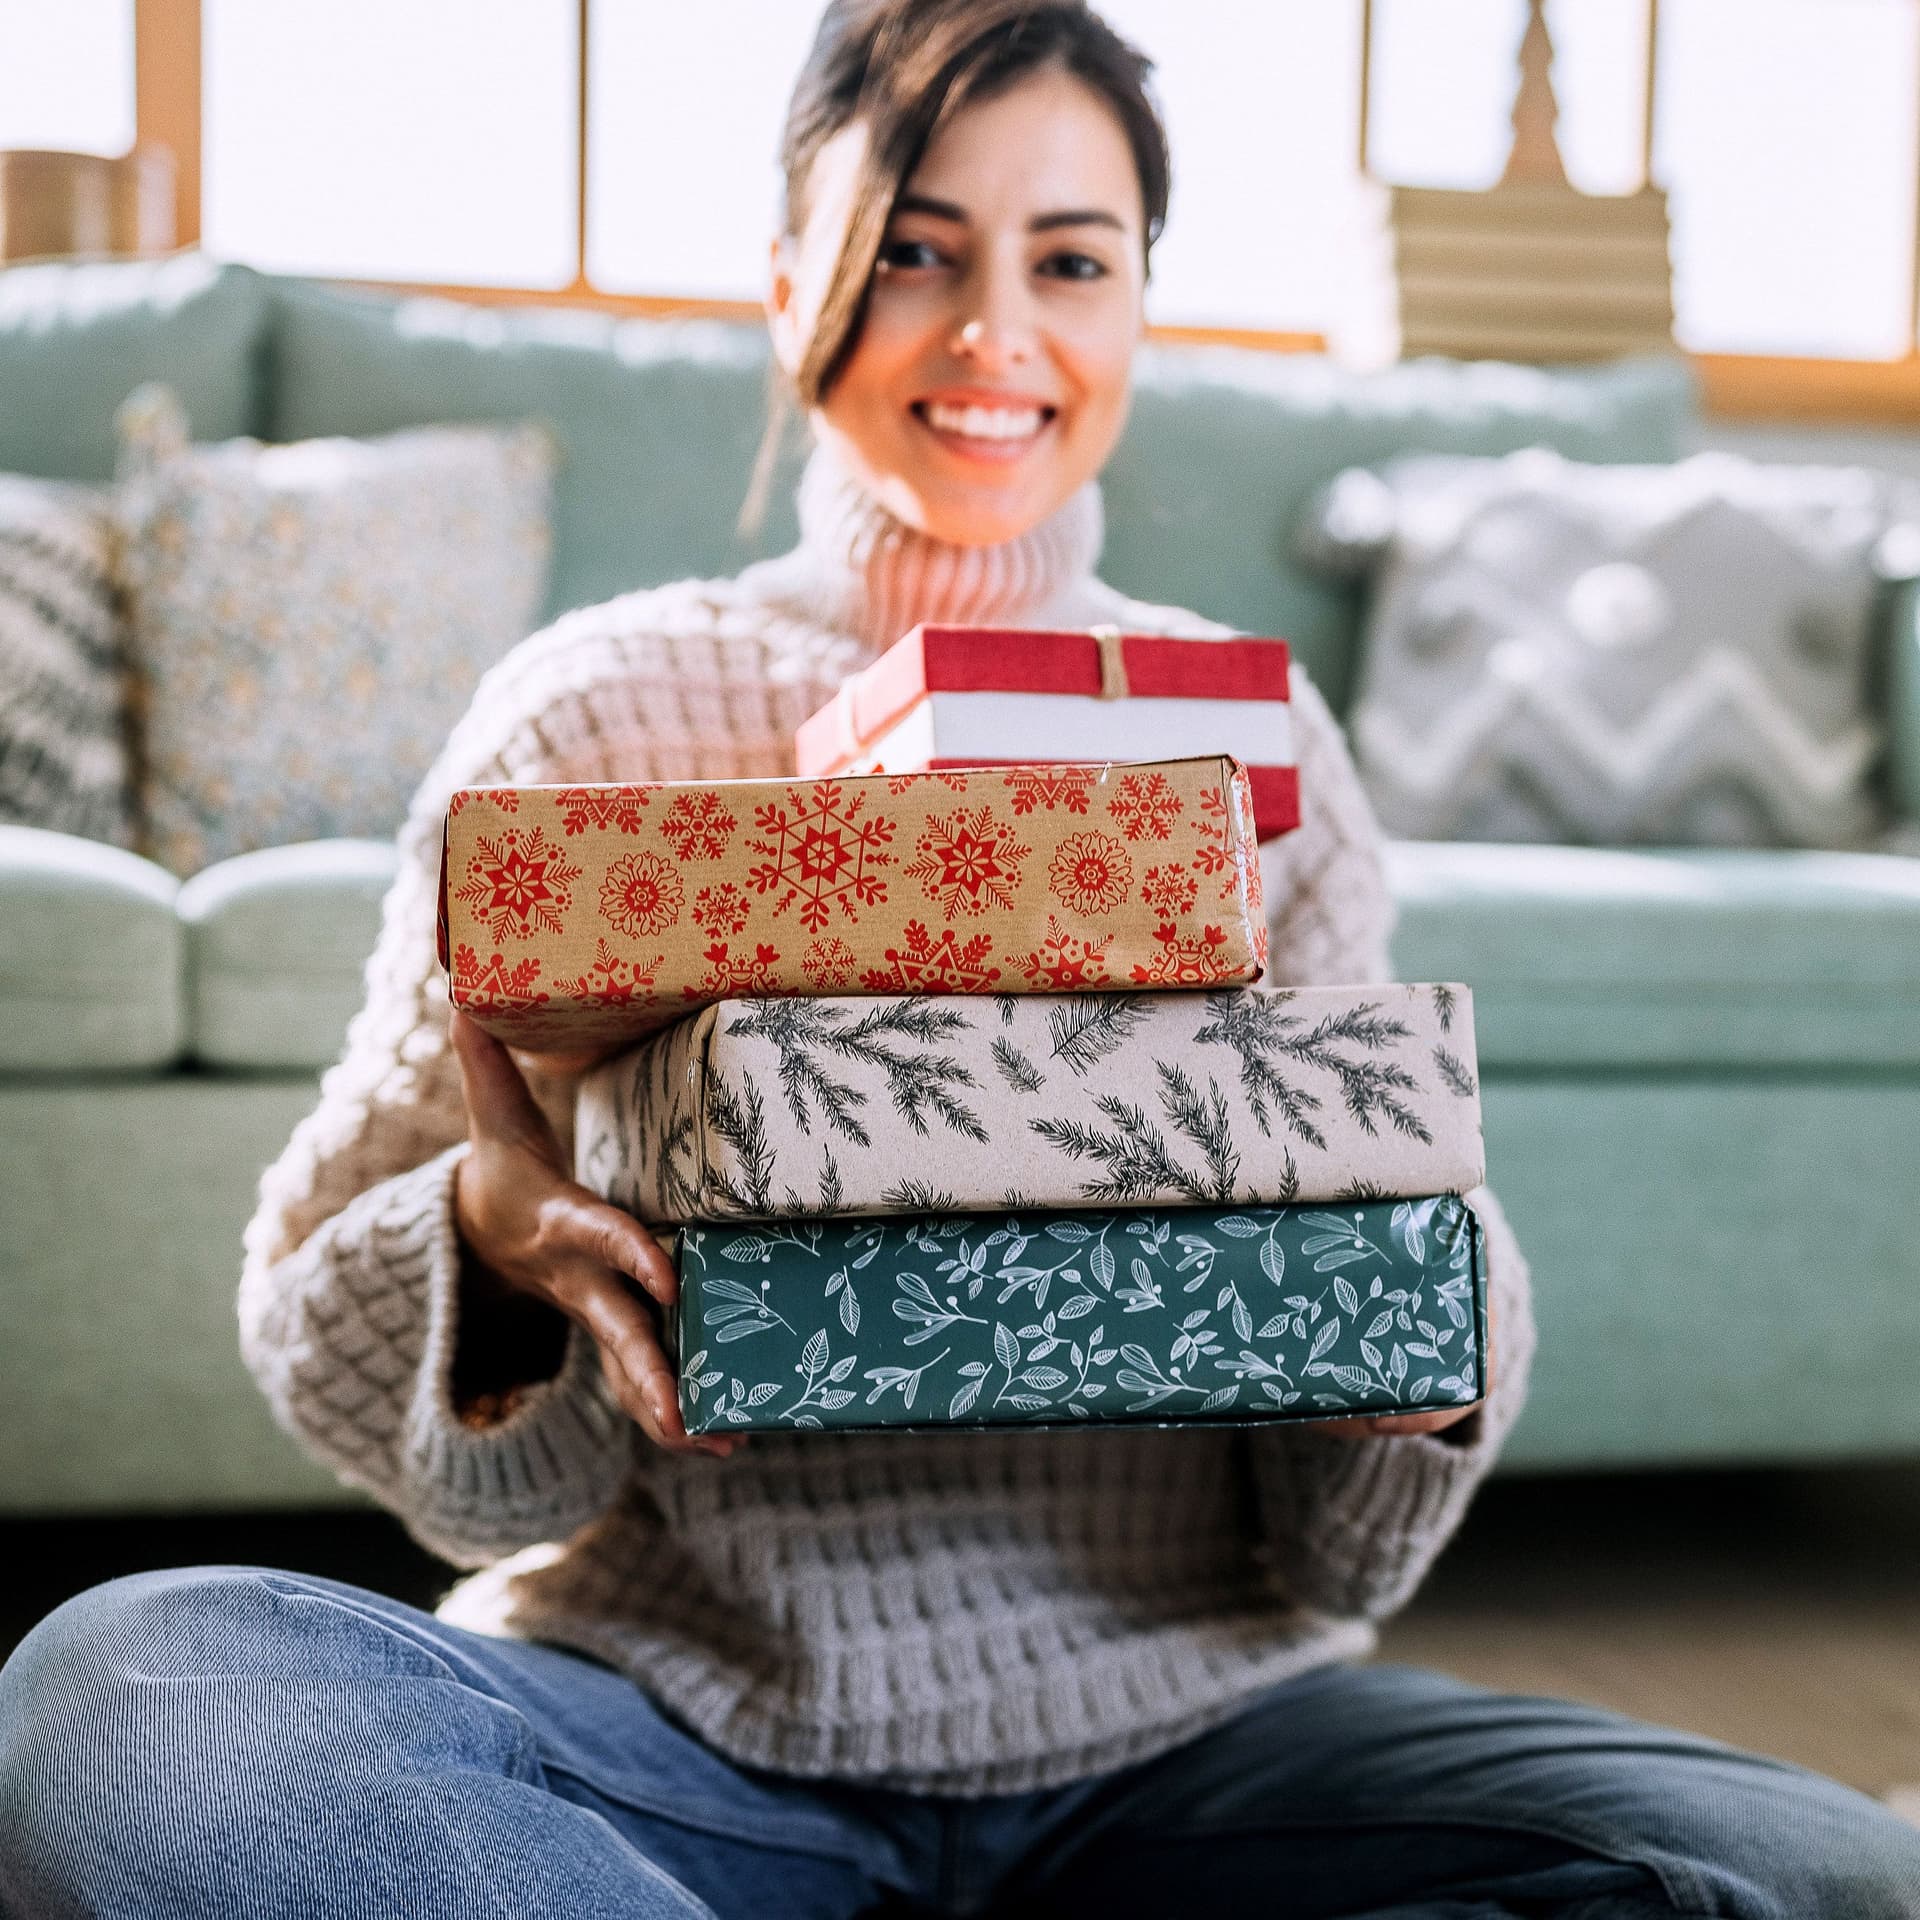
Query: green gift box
x,y
1055,1319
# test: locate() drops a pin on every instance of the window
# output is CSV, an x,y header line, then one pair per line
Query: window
x,y
440,142
66,75
434,140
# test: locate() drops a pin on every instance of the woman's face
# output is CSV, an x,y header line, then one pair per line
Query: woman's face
x,y
989,380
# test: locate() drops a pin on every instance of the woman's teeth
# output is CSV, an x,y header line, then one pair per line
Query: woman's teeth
x,y
985,423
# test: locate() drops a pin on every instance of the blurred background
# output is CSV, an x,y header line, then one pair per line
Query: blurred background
x,y
1622,296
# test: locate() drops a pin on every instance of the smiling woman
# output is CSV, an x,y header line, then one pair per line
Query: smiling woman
x,y
959,291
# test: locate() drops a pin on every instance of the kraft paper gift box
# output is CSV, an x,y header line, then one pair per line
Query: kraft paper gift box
x,y
756,1110
577,917
982,696
1063,1319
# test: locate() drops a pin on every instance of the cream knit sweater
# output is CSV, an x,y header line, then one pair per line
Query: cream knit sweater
x,y
956,1613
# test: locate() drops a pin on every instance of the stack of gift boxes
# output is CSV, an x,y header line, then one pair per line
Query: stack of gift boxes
x,y
951,1087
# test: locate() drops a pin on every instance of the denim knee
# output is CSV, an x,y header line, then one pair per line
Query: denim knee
x,y
80,1758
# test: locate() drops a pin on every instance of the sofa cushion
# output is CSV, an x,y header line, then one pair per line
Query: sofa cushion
x,y
63,680
307,622
91,957
1582,957
277,943
1676,655
76,339
1226,448
659,421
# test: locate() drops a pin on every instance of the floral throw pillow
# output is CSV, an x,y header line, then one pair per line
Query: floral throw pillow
x,y
307,622
63,754
1667,655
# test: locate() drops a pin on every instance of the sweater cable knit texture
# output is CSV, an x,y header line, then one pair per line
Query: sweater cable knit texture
x,y
946,1612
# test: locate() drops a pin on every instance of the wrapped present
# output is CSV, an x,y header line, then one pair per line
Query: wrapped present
x,y
577,917
809,1108
1061,1319
981,696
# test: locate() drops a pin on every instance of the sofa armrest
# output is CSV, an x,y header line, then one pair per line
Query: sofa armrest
x,y
92,961
1903,703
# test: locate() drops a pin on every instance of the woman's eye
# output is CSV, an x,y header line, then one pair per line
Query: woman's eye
x,y
1068,265
907,254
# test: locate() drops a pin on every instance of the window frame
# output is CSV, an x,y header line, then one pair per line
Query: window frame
x,y
1733,386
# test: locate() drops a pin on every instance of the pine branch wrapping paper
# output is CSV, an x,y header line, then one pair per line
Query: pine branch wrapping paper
x,y
812,1108
574,917
1059,1319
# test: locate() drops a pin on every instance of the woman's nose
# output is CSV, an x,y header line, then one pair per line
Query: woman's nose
x,y
996,328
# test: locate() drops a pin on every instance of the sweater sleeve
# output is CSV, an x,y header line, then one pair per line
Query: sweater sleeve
x,y
349,1291
1351,1525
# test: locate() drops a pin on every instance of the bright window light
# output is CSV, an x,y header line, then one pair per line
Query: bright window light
x,y
1262,108
434,140
1786,140
66,74
684,134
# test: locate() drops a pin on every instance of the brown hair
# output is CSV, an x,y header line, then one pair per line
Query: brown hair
x,y
903,69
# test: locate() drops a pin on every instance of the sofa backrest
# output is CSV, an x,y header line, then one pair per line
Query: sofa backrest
x,y
658,423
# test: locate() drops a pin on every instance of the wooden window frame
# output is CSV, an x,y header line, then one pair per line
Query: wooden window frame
x,y
1734,386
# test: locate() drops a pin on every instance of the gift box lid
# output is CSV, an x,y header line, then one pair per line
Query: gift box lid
x,y
932,659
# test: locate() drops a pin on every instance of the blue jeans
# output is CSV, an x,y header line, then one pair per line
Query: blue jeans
x,y
236,1741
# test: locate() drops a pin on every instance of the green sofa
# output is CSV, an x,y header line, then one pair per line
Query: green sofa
x,y
1701,1071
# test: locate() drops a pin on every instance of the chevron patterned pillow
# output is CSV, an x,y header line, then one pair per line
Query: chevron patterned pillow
x,y
1677,655
63,756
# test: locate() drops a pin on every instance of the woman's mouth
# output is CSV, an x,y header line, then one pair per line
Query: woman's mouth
x,y
997,433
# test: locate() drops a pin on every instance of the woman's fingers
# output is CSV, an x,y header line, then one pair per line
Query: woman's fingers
x,y
498,1103
636,1365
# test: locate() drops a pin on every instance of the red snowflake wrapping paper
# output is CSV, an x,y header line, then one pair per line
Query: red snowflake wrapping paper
x,y
574,917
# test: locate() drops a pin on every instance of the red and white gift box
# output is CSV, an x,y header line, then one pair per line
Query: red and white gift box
x,y
942,698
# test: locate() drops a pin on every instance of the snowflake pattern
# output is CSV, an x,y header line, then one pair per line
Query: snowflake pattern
x,y
1196,961
928,965
641,894
966,862
698,826
506,799
491,986
601,808
1170,890
829,964
1220,851
906,782
1145,806
1063,962
721,909
737,975
1090,873
518,884
822,849
1048,787
613,981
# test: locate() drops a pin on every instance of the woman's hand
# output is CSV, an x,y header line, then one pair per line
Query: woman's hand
x,y
1435,1422
534,1238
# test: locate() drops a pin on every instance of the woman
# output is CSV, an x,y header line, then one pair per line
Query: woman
x,y
811,1675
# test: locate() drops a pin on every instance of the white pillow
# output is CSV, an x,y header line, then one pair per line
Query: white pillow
x,y
1670,655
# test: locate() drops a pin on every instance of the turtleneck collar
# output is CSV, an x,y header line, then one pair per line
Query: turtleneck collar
x,y
871,575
